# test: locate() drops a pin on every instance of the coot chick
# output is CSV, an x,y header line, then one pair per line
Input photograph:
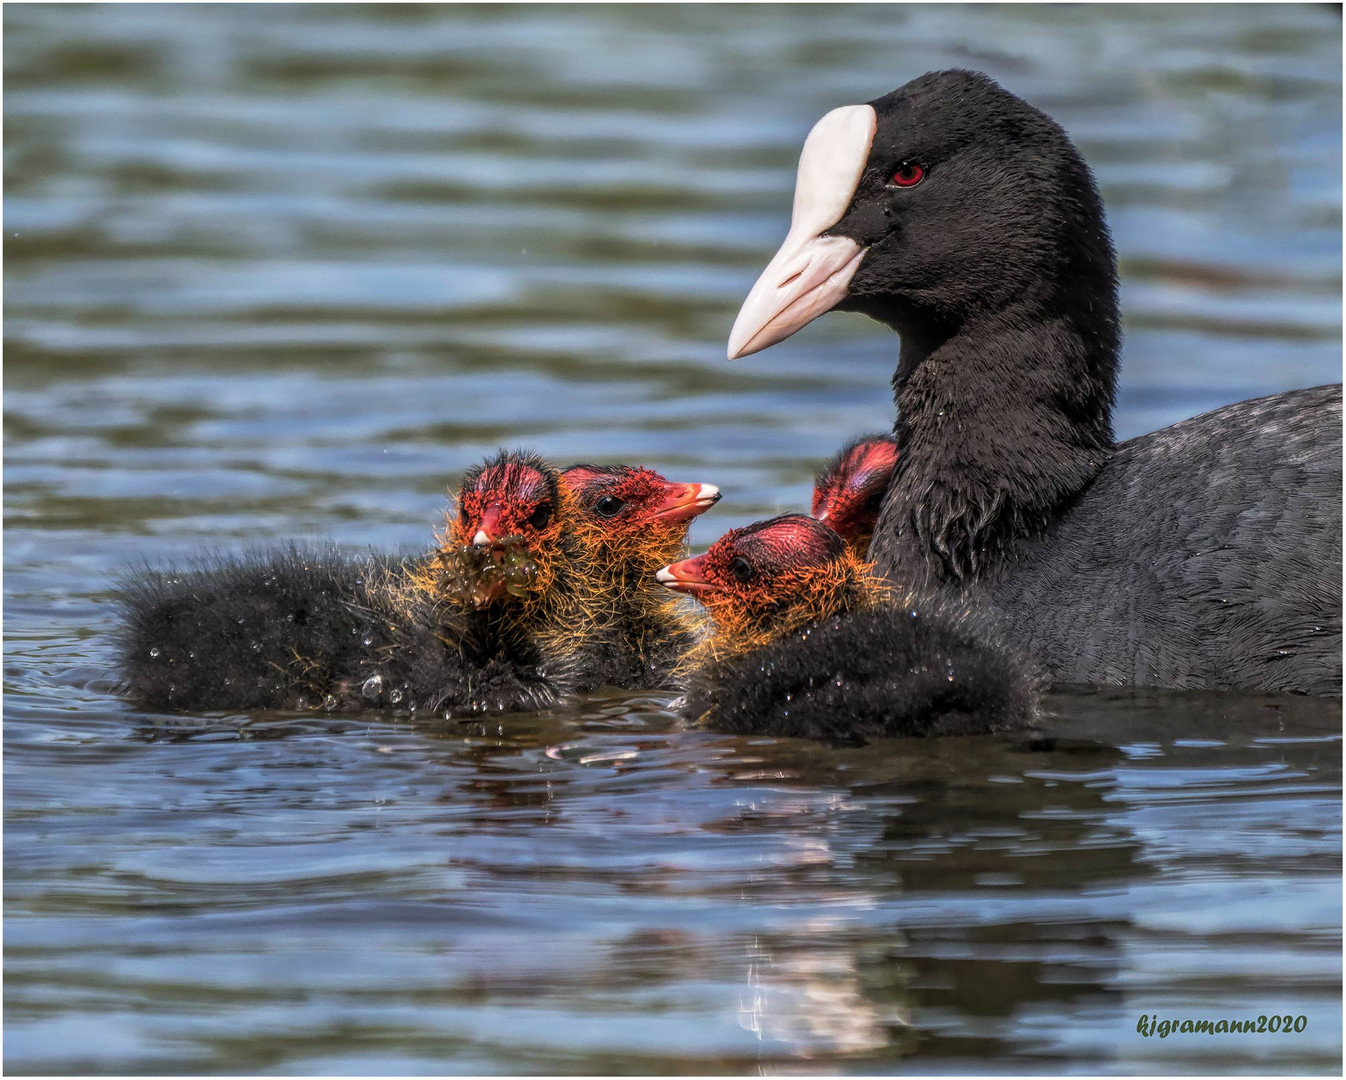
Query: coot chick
x,y
848,494
809,642
630,522
283,629
489,622
1207,554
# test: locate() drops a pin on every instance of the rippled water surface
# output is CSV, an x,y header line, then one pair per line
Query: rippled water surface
x,y
284,272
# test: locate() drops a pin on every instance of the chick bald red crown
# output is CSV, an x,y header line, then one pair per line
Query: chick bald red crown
x,y
770,579
849,492
750,559
510,495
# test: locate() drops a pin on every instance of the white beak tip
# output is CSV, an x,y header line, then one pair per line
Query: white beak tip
x,y
481,539
664,577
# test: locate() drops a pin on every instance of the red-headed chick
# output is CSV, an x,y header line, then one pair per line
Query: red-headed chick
x,y
848,494
630,521
808,642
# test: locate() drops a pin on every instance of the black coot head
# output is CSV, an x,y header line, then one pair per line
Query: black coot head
x,y
969,198
945,199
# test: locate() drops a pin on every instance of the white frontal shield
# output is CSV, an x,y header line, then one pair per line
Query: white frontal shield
x,y
810,272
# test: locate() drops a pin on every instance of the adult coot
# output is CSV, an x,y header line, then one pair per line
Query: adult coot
x,y
1207,554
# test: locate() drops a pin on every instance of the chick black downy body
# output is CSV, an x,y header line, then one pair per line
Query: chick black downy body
x,y
922,669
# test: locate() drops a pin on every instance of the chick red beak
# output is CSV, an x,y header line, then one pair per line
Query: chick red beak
x,y
682,502
488,531
685,577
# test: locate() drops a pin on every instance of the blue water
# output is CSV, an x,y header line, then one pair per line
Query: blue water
x,y
283,272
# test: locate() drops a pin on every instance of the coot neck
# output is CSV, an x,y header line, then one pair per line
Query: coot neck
x,y
1002,418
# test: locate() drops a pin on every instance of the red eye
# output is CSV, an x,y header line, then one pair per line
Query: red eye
x,y
909,174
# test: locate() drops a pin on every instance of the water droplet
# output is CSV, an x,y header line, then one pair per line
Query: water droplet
x,y
368,639
290,617
154,652
395,695
255,646
372,688
329,702
240,620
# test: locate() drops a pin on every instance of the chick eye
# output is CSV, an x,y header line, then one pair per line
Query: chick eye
x,y
740,569
875,502
541,517
909,174
609,505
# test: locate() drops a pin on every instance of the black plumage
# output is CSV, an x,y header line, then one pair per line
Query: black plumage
x,y
299,629
1233,581
272,630
1204,555
922,669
